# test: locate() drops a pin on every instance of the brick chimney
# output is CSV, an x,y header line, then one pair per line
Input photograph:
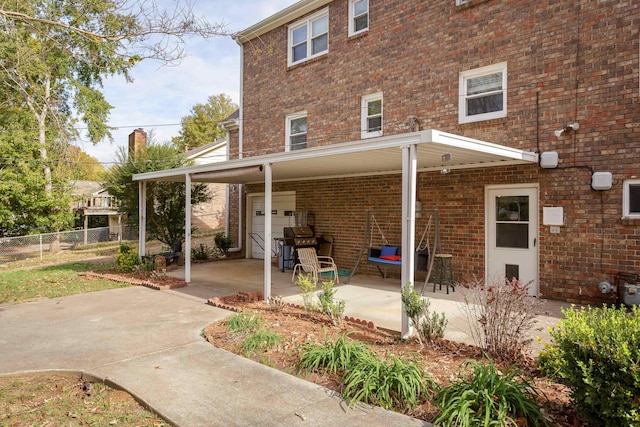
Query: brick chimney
x,y
137,141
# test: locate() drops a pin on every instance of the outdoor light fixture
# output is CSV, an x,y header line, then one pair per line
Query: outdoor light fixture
x,y
566,128
445,171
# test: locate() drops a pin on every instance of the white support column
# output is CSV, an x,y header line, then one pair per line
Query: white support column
x,y
186,250
268,194
142,217
409,176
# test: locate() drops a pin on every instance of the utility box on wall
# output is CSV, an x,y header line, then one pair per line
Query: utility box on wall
x,y
601,181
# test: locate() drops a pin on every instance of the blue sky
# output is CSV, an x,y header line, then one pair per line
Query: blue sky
x,y
160,96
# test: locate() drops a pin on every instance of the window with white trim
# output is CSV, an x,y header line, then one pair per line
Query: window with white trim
x,y
461,2
483,93
371,115
296,132
631,199
309,38
358,16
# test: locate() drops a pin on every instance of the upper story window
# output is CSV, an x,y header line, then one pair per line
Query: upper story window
x,y
358,16
631,199
296,133
309,38
371,115
483,93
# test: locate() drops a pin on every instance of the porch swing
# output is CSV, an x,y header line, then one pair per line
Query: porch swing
x,y
377,250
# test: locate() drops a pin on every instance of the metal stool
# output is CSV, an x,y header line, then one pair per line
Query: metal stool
x,y
443,271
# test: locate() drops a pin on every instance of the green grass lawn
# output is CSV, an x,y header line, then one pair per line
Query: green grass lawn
x,y
53,281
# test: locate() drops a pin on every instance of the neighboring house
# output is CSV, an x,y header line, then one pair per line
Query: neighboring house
x,y
97,208
211,216
518,120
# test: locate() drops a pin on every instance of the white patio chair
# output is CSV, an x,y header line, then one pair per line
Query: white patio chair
x,y
310,262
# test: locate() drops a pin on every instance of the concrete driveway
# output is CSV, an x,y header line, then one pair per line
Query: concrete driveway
x,y
148,342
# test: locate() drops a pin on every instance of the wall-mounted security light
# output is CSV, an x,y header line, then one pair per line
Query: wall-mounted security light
x,y
566,128
445,171
549,160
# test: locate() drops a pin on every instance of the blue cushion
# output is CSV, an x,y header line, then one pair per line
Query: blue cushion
x,y
388,250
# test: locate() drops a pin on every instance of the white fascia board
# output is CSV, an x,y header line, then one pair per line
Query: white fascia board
x,y
281,18
471,144
309,153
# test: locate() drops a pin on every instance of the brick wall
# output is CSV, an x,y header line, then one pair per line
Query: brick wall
x,y
567,62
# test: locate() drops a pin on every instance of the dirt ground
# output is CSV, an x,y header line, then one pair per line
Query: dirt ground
x,y
444,360
56,400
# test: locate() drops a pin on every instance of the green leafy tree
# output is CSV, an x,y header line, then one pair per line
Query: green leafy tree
x,y
165,200
200,127
25,207
83,166
55,53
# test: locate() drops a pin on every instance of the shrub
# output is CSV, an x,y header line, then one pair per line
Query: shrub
x,y
200,253
331,308
243,323
596,352
223,243
127,258
307,289
488,398
429,326
393,383
334,357
499,314
261,341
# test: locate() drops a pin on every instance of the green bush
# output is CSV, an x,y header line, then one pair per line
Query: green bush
x,y
596,352
429,326
393,383
223,242
334,357
261,341
200,253
127,258
486,398
307,289
249,329
328,305
243,323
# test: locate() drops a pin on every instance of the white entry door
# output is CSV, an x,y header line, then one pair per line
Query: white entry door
x,y
512,234
283,206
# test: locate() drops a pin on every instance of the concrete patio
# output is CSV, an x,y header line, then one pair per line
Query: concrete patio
x,y
366,297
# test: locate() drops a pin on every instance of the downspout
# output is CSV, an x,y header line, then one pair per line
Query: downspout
x,y
240,156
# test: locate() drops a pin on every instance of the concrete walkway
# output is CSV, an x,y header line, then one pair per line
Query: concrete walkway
x,y
148,342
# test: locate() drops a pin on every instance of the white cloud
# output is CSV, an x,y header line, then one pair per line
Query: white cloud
x,y
163,95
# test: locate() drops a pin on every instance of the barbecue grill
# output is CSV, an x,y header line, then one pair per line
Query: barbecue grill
x,y
294,238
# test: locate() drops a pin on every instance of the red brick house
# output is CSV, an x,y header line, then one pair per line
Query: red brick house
x,y
518,120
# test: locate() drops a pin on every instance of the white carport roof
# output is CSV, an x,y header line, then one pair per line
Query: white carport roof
x,y
364,157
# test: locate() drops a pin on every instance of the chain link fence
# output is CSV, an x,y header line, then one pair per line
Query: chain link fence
x,y
14,248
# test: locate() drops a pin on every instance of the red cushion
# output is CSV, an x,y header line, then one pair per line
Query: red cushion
x,y
391,257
